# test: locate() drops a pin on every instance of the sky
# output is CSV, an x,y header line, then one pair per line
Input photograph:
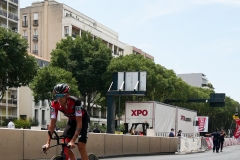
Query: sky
x,y
187,36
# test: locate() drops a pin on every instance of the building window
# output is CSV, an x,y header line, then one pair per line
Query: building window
x,y
35,32
43,117
35,35
24,22
66,31
23,117
35,19
35,48
36,113
25,34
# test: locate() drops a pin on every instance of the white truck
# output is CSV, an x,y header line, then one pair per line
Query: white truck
x,y
160,117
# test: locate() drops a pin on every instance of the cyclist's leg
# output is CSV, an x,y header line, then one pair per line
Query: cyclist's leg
x,y
69,132
82,150
82,140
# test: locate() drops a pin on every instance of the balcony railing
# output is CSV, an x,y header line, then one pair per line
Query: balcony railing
x,y
24,23
14,1
10,15
26,37
74,35
11,102
35,51
103,117
35,37
35,22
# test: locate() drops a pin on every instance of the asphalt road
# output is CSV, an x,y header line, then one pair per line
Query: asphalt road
x,y
229,153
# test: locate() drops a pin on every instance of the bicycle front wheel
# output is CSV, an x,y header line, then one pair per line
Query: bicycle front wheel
x,y
57,157
92,156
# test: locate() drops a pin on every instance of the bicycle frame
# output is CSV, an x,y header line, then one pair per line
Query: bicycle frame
x,y
63,153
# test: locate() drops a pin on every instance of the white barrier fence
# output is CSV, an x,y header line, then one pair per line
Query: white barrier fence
x,y
196,144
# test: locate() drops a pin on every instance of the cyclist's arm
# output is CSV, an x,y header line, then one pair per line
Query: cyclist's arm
x,y
52,123
51,128
78,113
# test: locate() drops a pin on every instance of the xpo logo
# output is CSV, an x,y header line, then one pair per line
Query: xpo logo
x,y
139,112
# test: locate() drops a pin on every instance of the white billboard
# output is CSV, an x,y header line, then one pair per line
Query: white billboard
x,y
185,120
139,112
164,117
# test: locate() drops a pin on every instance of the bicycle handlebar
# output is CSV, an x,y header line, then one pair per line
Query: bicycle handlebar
x,y
56,137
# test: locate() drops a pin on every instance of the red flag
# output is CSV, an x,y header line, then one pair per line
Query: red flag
x,y
237,130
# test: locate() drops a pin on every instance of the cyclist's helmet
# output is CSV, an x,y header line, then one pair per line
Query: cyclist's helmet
x,y
61,88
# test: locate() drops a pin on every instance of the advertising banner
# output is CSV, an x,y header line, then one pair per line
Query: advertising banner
x,y
237,130
201,124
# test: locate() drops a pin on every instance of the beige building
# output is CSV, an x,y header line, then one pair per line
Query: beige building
x,y
45,23
134,50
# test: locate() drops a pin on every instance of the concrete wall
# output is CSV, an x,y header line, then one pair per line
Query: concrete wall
x,y
19,144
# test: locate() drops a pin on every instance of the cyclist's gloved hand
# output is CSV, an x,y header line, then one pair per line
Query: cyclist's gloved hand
x,y
45,147
71,145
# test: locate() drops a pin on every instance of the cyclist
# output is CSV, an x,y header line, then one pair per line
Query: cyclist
x,y
78,120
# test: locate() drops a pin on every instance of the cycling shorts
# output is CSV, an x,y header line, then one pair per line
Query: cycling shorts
x,y
71,128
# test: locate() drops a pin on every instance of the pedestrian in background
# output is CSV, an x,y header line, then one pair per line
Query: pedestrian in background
x,y
179,133
172,134
215,136
96,129
221,139
11,124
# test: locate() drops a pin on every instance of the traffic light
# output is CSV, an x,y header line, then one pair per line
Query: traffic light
x,y
217,100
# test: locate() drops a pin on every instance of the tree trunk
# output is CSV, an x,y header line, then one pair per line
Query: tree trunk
x,y
88,105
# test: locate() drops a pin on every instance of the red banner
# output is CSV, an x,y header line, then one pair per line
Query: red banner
x,y
209,143
201,123
237,130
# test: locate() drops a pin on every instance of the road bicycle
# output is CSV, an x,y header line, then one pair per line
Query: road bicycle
x,y
64,155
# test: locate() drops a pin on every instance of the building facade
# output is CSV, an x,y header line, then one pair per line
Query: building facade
x,y
9,14
195,79
46,23
134,50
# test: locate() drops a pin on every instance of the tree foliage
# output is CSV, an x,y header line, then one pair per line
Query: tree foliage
x,y
87,58
163,84
47,77
17,68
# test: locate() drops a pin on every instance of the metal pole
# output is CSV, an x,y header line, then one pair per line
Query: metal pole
x,y
7,14
7,103
119,115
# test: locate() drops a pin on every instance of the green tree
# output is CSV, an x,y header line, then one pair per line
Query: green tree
x,y
33,121
87,58
163,84
17,68
45,80
22,123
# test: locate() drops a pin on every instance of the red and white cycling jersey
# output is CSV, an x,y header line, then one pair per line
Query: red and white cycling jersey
x,y
73,109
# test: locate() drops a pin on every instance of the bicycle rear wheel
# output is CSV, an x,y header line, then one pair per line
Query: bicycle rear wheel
x,y
57,157
92,156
